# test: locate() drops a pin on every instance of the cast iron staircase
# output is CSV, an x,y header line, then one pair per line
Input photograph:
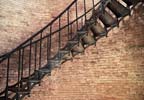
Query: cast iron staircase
x,y
44,51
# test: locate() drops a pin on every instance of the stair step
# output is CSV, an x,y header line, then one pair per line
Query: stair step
x,y
88,40
131,2
54,62
78,48
45,70
71,43
34,81
118,9
128,2
80,33
108,20
98,30
64,54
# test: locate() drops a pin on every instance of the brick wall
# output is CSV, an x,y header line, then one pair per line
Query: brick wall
x,y
113,70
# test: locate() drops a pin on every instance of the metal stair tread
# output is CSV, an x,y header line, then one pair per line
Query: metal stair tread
x,y
45,70
81,32
64,51
34,80
114,4
31,80
131,3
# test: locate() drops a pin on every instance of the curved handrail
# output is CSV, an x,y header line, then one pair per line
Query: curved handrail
x,y
6,54
61,27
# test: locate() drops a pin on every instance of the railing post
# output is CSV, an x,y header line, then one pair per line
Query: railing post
x,y
30,63
35,56
76,14
93,3
40,48
102,5
82,21
68,20
71,31
49,44
22,63
59,33
7,79
50,39
85,10
30,58
19,70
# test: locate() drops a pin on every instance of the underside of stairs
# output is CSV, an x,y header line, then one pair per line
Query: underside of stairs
x,y
40,54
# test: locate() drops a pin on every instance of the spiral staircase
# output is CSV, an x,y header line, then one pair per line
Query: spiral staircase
x,y
25,66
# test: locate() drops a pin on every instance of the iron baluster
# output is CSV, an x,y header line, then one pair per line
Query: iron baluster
x,y
48,46
30,58
85,10
30,52
76,15
102,6
82,22
59,32
40,48
93,2
22,64
71,31
50,40
7,79
68,21
59,40
19,71
35,55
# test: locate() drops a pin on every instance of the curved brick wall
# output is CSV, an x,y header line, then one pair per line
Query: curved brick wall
x,y
113,70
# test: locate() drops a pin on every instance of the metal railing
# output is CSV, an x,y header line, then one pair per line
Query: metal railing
x,y
34,53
